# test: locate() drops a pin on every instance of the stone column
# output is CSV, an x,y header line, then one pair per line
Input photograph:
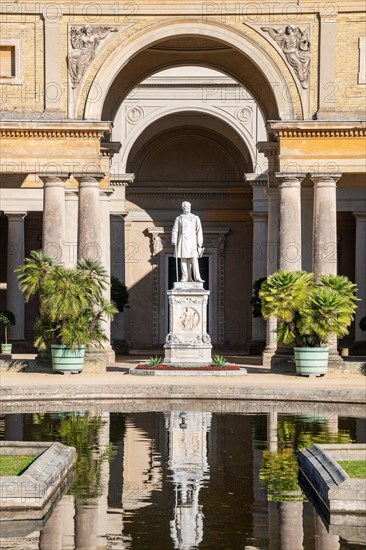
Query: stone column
x,y
15,298
325,224
71,230
259,270
360,275
325,239
307,228
105,245
272,266
89,243
290,221
53,228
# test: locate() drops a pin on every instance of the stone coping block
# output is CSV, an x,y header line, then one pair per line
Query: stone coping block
x,y
36,486
338,493
180,372
175,390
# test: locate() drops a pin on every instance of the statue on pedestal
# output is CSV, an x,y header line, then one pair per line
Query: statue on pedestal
x,y
187,238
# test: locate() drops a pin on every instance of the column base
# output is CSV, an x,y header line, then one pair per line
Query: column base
x,y
335,361
256,347
283,363
359,348
267,355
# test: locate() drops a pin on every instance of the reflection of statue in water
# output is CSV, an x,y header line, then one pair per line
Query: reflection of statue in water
x,y
295,45
188,239
85,42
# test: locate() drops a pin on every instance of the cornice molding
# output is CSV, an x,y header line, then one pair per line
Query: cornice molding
x,y
52,134
54,130
195,194
315,129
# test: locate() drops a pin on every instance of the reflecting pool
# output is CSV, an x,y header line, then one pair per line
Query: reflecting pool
x,y
186,478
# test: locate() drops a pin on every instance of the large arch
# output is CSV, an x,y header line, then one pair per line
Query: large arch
x,y
123,69
164,114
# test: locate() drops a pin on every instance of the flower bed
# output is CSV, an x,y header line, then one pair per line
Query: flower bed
x,y
197,368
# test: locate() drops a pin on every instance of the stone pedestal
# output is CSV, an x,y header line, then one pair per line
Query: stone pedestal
x,y
188,342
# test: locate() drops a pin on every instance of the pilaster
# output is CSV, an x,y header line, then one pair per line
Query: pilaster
x,y
360,280
14,297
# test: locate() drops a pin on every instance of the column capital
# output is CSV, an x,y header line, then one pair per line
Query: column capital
x,y
71,193
15,216
269,148
53,179
91,179
259,216
105,193
256,180
289,179
122,180
360,216
325,179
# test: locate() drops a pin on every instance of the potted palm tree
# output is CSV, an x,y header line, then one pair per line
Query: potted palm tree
x,y
7,318
72,307
309,312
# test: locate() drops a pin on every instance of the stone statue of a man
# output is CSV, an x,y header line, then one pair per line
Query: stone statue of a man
x,y
187,238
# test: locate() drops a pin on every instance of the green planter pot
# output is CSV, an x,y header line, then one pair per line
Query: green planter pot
x,y
65,359
311,361
6,348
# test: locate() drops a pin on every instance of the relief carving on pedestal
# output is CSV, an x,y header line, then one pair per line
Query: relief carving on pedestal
x,y
85,41
295,44
189,318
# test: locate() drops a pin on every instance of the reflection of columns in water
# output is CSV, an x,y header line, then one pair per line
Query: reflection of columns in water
x,y
332,424
274,526
188,461
323,540
260,505
103,446
91,514
291,525
86,516
272,425
52,534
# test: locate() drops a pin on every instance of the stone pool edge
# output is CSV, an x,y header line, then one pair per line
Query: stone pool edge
x,y
338,492
36,487
155,390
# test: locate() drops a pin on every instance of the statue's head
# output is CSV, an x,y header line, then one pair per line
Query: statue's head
x,y
288,29
186,207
